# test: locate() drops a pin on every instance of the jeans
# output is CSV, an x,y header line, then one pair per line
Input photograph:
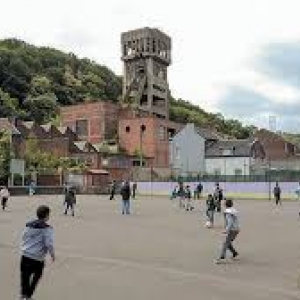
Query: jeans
x,y
210,216
31,273
126,207
230,237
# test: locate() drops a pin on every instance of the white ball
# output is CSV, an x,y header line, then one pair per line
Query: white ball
x,y
208,224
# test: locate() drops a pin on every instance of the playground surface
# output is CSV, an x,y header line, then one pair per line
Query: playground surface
x,y
158,252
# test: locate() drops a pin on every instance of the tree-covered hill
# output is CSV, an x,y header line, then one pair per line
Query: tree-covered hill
x,y
35,81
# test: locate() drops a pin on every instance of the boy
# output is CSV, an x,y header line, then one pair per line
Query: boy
x,y
70,201
37,241
232,229
210,209
188,199
4,195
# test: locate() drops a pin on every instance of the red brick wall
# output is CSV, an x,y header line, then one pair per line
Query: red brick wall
x,y
102,119
152,145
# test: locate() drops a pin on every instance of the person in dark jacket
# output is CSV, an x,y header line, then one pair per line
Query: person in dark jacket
x,y
134,188
113,188
277,194
125,194
70,201
218,195
210,209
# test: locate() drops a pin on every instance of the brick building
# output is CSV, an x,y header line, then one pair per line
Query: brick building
x,y
93,121
149,134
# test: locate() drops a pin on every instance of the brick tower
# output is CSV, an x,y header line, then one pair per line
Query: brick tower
x,y
146,54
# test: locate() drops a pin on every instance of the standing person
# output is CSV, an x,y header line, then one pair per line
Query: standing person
x,y
210,210
218,195
188,198
199,189
37,241
277,194
232,229
125,193
181,194
4,195
297,192
31,188
70,201
134,188
113,190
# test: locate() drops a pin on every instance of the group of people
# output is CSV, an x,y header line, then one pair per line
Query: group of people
x,y
37,238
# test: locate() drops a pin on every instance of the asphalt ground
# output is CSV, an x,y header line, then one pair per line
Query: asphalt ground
x,y
157,252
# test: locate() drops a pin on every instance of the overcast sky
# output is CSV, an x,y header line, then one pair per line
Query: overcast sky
x,y
237,57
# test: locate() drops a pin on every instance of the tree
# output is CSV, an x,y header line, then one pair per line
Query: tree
x,y
4,154
42,108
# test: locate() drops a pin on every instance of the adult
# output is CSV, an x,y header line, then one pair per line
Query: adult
x,y
113,190
277,194
125,194
198,190
218,195
70,201
134,188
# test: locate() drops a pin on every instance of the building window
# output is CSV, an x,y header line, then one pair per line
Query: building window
x,y
82,127
161,133
227,152
217,172
238,172
127,129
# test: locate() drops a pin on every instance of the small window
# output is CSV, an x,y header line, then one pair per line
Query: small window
x,y
82,127
127,129
161,133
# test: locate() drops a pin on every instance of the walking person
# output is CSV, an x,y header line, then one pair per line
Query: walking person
x,y
210,210
198,191
4,195
134,188
113,190
181,194
188,199
218,195
125,194
70,201
232,229
37,241
277,194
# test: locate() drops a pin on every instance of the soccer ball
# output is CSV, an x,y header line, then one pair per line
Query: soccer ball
x,y
208,224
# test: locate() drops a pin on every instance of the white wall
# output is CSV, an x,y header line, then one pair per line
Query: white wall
x,y
227,165
187,151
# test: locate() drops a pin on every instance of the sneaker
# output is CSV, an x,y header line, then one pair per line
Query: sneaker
x,y
235,256
220,261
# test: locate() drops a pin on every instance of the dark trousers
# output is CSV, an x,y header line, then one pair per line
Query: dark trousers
x,y
31,273
69,205
112,195
277,199
4,202
231,236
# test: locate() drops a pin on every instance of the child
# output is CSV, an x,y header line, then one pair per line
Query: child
x,y
210,209
181,194
70,201
4,195
174,193
232,229
277,194
37,241
125,194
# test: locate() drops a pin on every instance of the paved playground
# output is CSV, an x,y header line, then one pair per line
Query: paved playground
x,y
158,252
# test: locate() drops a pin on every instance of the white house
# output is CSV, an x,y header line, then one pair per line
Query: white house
x,y
187,150
232,157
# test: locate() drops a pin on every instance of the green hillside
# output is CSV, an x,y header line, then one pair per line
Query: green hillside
x,y
35,81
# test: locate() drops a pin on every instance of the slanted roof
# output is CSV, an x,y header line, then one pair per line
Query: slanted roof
x,y
6,125
207,134
28,124
232,148
83,146
47,127
62,129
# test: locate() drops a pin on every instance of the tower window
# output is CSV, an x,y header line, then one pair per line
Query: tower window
x,y
127,129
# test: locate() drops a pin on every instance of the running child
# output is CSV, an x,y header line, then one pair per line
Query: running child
x,y
4,195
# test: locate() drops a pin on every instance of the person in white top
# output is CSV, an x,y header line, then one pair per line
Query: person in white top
x,y
4,195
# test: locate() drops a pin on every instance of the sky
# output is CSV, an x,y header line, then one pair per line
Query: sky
x,y
237,57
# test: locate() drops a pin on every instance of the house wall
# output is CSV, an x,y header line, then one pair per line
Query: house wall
x,y
227,165
187,151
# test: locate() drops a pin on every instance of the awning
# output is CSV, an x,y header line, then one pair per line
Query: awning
x,y
98,172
